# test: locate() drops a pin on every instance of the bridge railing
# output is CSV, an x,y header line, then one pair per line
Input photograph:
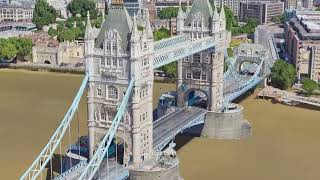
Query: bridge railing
x,y
182,50
46,154
98,156
170,42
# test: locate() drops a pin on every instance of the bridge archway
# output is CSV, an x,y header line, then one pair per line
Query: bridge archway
x,y
47,62
196,97
247,66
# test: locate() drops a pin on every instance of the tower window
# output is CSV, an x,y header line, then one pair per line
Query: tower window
x,y
189,75
114,61
120,62
108,45
204,76
112,92
114,45
196,58
196,74
99,91
102,62
108,61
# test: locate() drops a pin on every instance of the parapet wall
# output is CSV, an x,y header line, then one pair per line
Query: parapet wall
x,y
164,174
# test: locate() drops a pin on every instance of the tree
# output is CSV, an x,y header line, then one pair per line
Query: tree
x,y
52,32
82,7
230,20
283,74
161,33
310,86
168,13
8,51
43,14
24,47
277,19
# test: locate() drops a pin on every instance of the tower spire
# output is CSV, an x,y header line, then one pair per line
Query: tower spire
x,y
222,13
148,25
89,32
134,32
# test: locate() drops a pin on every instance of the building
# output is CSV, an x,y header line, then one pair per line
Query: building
x,y
122,57
16,13
47,50
64,53
308,4
161,4
101,5
133,6
262,11
60,6
302,34
170,24
290,4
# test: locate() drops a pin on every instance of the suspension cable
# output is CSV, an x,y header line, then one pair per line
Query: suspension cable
x,y
51,174
60,158
69,139
78,121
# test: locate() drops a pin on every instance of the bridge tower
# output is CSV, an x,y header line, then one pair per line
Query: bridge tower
x,y
202,71
119,54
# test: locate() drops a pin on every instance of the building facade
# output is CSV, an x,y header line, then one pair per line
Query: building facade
x,y
122,52
59,54
60,6
290,4
202,71
16,13
302,34
262,11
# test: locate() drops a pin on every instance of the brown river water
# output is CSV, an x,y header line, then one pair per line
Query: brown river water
x,y
285,144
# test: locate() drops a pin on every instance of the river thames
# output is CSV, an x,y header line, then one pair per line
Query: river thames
x,y
285,144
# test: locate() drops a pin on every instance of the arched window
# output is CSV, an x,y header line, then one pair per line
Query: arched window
x,y
103,115
114,46
112,92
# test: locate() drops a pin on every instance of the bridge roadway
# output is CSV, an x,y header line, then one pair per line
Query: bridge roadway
x,y
167,127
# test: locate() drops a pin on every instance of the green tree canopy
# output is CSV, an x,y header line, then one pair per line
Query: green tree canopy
x,y
82,6
43,14
310,86
161,33
13,47
168,13
283,74
52,32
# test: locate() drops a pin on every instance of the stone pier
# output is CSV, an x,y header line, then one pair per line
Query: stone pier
x,y
226,125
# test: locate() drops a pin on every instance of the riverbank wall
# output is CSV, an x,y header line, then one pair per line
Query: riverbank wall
x,y
43,67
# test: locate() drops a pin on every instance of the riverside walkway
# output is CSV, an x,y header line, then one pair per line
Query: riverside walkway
x,y
287,97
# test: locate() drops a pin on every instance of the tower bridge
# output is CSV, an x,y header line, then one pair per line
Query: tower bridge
x,y
119,82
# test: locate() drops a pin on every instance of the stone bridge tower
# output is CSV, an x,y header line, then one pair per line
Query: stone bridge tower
x,y
119,54
202,71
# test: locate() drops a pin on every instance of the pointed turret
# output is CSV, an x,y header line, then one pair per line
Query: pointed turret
x,y
134,32
215,14
188,8
89,33
180,12
148,29
222,13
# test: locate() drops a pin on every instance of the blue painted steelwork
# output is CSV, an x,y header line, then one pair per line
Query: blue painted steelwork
x,y
244,87
75,168
99,155
46,154
176,52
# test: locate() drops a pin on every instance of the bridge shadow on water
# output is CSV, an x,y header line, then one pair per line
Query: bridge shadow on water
x,y
182,139
60,163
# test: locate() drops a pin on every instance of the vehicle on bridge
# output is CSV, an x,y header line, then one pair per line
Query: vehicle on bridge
x,y
80,150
